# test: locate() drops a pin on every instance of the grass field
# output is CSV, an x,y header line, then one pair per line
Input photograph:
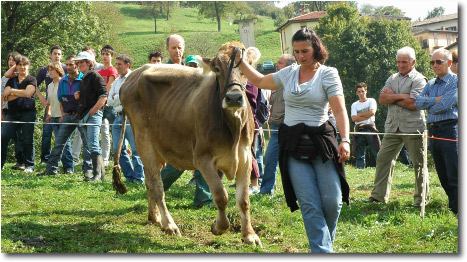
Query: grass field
x,y
138,37
63,214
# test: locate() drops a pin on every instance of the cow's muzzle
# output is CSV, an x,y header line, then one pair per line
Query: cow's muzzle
x,y
233,99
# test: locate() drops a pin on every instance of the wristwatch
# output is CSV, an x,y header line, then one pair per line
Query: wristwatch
x,y
345,140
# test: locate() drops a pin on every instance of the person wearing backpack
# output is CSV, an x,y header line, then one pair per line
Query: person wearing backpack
x,y
19,92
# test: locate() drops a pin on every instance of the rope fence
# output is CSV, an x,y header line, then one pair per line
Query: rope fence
x,y
261,129
424,134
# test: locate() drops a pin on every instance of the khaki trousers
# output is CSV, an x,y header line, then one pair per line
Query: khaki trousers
x,y
386,160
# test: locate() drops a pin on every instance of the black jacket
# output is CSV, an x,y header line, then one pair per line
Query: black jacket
x,y
91,89
324,137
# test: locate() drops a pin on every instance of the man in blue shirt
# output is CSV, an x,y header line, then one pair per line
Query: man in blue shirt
x,y
439,98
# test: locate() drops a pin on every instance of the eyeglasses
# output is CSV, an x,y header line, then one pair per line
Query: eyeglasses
x,y
438,62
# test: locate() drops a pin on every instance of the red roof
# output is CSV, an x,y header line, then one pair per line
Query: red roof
x,y
312,15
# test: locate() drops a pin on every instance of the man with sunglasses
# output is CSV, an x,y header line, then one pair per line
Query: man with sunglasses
x,y
440,99
405,122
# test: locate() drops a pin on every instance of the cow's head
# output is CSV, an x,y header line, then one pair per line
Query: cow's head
x,y
230,81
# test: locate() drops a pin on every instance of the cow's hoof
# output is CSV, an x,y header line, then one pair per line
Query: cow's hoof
x,y
173,231
215,231
252,240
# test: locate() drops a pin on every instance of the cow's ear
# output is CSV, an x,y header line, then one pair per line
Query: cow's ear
x,y
205,63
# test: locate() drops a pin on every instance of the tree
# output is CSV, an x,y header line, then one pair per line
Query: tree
x,y
364,50
211,9
222,10
31,27
437,11
368,9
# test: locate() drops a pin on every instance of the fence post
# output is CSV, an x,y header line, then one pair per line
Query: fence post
x,y
425,172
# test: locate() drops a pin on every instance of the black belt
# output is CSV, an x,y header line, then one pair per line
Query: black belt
x,y
71,113
120,113
442,123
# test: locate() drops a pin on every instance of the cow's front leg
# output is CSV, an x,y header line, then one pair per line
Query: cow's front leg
x,y
218,192
243,202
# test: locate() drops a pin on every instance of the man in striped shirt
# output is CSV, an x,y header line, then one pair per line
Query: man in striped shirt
x,y
439,98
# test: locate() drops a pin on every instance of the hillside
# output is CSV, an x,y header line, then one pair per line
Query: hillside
x,y
138,38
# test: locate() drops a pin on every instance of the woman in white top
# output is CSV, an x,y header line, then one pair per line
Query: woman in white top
x,y
308,140
54,112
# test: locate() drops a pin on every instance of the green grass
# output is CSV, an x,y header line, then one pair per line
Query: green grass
x,y
63,214
138,37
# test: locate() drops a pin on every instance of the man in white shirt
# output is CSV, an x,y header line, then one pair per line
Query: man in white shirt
x,y
133,173
363,114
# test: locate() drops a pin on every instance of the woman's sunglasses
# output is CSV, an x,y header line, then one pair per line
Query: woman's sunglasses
x,y
438,62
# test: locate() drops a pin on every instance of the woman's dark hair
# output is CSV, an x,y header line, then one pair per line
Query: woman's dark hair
x,y
320,52
13,55
22,58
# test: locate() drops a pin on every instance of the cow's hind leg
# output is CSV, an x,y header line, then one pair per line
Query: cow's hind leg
x,y
219,194
158,212
243,202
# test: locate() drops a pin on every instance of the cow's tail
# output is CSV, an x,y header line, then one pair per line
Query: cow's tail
x,y
117,172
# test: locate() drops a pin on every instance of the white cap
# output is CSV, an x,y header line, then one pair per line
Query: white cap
x,y
85,56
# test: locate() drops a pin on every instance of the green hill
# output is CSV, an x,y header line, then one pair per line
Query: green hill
x,y
138,38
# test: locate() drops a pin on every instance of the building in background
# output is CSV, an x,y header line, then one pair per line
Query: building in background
x,y
289,28
437,32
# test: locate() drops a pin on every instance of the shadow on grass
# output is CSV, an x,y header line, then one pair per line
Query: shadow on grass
x,y
136,13
138,209
82,238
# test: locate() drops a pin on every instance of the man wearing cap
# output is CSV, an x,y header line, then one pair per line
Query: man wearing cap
x,y
91,98
191,61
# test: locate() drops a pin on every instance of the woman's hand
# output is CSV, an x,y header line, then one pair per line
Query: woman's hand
x,y
343,151
47,119
6,93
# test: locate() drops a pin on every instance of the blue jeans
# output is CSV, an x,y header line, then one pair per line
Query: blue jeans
x,y
66,157
445,156
318,190
259,157
46,140
362,142
62,142
27,135
271,161
91,134
133,173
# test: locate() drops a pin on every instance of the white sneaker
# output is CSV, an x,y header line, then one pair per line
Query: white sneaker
x,y
28,170
253,190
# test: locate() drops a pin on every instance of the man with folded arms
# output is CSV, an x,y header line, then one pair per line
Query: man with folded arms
x,y
439,98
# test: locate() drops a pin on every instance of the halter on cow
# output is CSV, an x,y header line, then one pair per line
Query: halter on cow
x,y
177,118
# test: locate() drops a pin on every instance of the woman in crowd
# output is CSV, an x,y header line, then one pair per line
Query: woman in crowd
x,y
19,92
54,113
311,161
18,147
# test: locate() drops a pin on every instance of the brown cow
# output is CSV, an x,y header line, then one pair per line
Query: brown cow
x,y
193,119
